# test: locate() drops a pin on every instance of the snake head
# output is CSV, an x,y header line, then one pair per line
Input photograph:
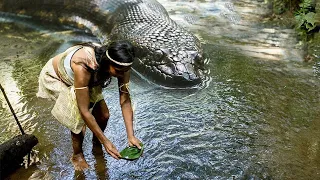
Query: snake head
x,y
166,53
177,68
181,67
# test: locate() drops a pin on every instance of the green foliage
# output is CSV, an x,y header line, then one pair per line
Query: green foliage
x,y
306,20
305,4
283,6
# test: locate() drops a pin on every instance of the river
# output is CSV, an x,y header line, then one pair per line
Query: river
x,y
258,117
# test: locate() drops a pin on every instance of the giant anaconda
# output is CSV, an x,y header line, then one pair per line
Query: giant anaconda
x,y
166,53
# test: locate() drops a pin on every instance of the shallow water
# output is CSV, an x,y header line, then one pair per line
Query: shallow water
x,y
257,118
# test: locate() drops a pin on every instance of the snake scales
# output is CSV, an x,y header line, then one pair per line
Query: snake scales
x,y
166,53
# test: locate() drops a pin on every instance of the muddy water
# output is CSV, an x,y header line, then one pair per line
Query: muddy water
x,y
258,117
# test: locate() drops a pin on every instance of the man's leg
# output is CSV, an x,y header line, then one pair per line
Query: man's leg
x,y
101,114
77,158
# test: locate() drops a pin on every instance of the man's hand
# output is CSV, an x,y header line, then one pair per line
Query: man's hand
x,y
111,149
133,141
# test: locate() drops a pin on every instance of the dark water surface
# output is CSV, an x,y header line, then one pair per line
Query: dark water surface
x,y
257,118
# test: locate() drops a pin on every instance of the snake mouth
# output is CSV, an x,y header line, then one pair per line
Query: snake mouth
x,y
178,75
165,79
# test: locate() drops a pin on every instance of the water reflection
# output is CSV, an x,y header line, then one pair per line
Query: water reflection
x,y
12,90
256,119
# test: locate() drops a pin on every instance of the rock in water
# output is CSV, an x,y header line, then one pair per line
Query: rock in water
x,y
13,151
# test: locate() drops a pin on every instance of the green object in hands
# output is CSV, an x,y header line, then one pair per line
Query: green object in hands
x,y
131,153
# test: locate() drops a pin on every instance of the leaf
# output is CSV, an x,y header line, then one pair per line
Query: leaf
x,y
310,27
305,4
300,20
132,153
310,18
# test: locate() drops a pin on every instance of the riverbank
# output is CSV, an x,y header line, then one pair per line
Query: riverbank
x,y
301,15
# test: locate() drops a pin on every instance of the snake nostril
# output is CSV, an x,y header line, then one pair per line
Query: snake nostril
x,y
198,57
193,77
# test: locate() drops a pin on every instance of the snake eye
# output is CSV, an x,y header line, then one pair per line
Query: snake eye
x,y
198,59
158,53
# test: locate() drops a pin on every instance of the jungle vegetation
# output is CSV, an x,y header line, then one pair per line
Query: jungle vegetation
x,y
303,15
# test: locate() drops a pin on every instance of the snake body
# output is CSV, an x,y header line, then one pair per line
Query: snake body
x,y
166,53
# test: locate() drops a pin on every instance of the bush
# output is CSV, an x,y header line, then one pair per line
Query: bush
x,y
305,17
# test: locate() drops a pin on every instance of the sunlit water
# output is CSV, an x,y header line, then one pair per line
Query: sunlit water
x,y
258,117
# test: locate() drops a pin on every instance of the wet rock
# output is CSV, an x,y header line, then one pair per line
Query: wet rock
x,y
13,151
